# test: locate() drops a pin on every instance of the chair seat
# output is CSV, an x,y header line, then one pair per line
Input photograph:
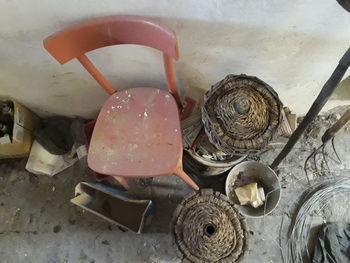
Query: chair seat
x,y
137,134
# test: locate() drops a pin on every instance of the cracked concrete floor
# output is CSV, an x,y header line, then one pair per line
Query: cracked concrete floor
x,y
38,223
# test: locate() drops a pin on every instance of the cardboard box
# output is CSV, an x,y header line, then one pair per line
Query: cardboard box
x,y
24,124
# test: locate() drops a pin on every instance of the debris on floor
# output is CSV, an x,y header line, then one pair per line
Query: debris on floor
x,y
48,218
207,225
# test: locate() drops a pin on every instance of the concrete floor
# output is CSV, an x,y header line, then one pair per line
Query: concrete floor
x,y
38,223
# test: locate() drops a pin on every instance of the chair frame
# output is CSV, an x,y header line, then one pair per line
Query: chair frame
x,y
77,40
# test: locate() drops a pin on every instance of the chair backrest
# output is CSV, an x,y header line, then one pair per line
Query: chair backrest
x,y
76,40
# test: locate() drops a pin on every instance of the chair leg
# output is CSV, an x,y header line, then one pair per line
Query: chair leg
x,y
122,181
187,179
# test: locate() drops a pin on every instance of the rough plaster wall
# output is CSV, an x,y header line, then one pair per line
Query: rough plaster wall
x,y
292,45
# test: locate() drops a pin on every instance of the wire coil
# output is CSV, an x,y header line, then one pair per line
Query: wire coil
x,y
295,250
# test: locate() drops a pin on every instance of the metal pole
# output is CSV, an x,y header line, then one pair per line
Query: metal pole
x,y
316,107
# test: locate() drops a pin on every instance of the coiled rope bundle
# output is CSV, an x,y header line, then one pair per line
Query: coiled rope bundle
x,y
208,228
241,114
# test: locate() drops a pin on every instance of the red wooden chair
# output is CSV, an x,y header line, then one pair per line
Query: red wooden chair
x,y
137,132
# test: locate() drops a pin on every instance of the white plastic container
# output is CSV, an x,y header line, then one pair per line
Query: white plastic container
x,y
41,162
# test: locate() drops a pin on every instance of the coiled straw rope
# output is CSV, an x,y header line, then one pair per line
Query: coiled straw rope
x,y
208,228
241,114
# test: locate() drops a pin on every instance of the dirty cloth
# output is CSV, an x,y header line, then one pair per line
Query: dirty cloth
x,y
58,134
250,194
332,240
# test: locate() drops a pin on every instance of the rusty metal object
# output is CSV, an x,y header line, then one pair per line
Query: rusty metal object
x,y
241,114
329,135
208,228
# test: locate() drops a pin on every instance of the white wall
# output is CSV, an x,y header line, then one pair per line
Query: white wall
x,y
292,45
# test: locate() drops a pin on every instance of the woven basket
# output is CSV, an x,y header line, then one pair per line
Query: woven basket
x,y
241,114
208,228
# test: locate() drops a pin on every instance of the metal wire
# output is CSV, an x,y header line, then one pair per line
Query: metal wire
x,y
321,149
295,249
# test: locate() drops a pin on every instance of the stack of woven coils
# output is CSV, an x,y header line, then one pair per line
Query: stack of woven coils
x,y
208,228
207,161
241,114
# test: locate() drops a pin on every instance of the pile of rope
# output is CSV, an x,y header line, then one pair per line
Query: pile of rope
x,y
315,197
241,114
207,228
